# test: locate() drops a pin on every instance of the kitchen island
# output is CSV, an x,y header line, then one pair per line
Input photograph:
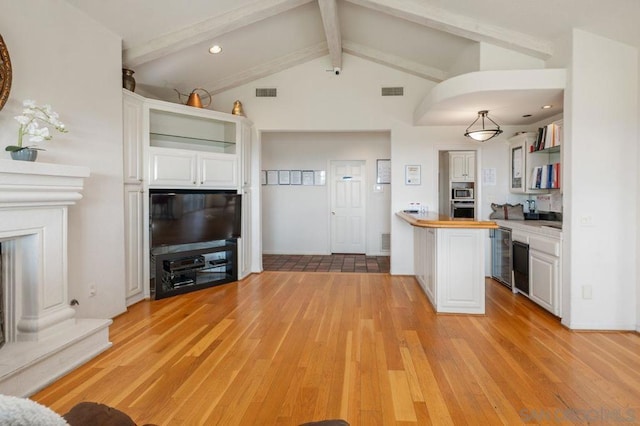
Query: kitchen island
x,y
449,260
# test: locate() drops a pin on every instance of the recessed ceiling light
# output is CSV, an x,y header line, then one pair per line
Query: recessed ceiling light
x,y
526,116
215,49
547,106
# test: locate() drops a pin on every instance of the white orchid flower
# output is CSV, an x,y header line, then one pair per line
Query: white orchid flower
x,y
34,123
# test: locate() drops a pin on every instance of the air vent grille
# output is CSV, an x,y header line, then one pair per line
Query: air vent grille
x,y
385,242
266,92
393,91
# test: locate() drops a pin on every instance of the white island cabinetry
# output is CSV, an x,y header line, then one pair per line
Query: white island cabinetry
x,y
449,261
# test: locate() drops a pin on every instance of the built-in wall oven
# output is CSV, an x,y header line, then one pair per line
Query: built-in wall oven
x,y
466,209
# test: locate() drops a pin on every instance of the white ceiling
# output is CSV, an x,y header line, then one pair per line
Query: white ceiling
x,y
166,41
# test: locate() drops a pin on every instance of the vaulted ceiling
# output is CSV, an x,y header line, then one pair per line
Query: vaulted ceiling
x,y
167,42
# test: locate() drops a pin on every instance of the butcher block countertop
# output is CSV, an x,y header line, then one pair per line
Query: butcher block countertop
x,y
435,220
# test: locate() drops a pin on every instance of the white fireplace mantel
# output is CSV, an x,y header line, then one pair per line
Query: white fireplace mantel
x,y
44,340
28,183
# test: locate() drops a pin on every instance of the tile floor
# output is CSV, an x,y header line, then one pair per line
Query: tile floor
x,y
329,263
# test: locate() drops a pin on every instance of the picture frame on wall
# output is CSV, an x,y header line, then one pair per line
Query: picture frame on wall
x,y
272,177
383,171
284,177
307,177
319,177
296,177
412,175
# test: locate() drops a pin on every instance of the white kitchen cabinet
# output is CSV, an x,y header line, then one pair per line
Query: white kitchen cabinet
x,y
134,198
424,240
449,266
543,280
545,262
462,166
544,272
419,252
430,264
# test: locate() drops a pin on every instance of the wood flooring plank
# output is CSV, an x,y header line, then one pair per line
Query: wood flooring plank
x,y
283,348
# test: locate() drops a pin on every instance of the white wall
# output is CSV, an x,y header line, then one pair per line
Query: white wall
x,y
296,218
311,99
63,58
601,137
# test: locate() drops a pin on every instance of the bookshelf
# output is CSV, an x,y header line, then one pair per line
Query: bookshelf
x,y
535,160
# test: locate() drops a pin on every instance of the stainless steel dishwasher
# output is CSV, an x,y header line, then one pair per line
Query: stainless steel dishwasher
x,y
501,264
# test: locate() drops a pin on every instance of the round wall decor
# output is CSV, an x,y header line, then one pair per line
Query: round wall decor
x,y
5,73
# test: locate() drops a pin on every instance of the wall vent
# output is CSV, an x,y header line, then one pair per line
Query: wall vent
x,y
393,91
266,92
385,242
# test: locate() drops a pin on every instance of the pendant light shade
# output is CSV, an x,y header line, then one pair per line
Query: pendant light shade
x,y
483,133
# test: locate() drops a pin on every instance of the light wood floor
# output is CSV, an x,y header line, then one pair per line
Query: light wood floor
x,y
285,348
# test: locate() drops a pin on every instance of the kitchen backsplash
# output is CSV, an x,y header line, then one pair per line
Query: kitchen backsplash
x,y
549,202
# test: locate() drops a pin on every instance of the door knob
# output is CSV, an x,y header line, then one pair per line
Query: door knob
x,y
333,213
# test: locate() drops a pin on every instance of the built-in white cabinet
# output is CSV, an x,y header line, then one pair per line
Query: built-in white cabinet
x,y
134,197
247,133
175,146
545,262
133,137
245,258
462,166
177,168
544,272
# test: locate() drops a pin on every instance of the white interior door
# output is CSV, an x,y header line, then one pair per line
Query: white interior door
x,y
348,225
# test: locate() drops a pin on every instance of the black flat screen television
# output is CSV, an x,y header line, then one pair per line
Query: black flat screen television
x,y
193,216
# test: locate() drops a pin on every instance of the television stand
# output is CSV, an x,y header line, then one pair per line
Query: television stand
x,y
189,267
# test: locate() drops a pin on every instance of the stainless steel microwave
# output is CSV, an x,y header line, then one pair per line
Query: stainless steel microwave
x,y
462,193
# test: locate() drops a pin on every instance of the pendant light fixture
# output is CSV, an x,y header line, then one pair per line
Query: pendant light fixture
x,y
482,134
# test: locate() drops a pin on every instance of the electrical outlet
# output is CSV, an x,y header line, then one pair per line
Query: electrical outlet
x,y
586,221
587,292
92,290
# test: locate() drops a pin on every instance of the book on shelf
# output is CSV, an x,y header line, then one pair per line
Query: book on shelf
x,y
546,177
548,136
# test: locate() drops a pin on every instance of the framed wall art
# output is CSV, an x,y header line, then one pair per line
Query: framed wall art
x,y
5,73
383,171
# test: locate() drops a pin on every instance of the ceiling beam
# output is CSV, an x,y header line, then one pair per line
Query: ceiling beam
x,y
329,12
206,30
265,69
395,62
460,25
